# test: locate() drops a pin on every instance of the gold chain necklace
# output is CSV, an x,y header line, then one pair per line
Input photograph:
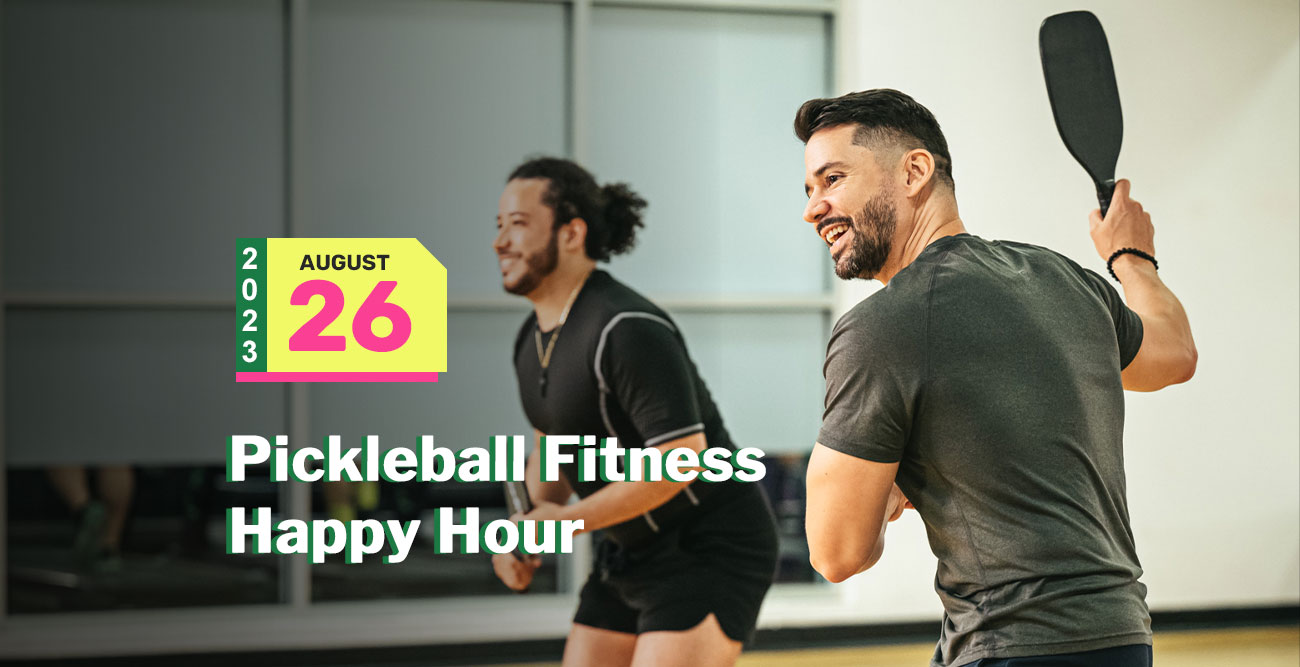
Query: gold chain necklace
x,y
544,357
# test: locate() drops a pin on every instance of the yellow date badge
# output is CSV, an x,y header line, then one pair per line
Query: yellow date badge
x,y
339,310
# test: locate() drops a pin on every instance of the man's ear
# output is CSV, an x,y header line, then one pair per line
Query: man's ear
x,y
573,235
918,171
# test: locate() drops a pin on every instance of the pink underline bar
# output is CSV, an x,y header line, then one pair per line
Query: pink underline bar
x,y
335,377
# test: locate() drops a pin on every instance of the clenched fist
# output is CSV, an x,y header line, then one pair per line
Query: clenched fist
x,y
1126,225
516,574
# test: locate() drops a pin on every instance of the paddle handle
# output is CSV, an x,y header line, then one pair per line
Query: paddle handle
x,y
1105,190
518,502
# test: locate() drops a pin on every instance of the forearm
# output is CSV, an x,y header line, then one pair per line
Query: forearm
x,y
877,550
893,509
619,502
1164,322
849,502
840,560
1149,297
1167,354
557,492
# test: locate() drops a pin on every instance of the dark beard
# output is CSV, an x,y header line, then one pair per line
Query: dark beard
x,y
873,234
539,264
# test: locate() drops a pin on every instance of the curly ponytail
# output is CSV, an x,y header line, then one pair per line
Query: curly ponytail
x,y
612,212
622,218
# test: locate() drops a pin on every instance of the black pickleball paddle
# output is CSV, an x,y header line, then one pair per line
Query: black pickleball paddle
x,y
1085,101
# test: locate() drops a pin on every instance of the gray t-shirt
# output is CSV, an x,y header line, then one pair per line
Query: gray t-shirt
x,y
990,371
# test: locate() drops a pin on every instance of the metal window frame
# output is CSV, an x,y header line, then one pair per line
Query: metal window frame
x,y
4,468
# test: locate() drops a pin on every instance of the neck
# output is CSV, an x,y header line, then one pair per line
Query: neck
x,y
931,222
552,294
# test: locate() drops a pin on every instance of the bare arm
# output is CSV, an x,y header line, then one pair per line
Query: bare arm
x,y
850,501
552,492
619,501
1168,353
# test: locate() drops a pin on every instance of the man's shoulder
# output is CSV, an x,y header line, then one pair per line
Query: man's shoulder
x,y
617,314
951,263
892,309
967,262
905,296
613,300
1017,250
1042,253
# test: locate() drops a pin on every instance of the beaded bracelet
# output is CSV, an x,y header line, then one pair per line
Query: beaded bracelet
x,y
1128,251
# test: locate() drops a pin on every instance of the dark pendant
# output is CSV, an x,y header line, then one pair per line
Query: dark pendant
x,y
541,383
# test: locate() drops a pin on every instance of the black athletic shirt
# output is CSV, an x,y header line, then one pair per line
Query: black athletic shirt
x,y
620,369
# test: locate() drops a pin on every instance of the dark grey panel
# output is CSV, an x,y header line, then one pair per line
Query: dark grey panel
x,y
141,138
418,110
127,386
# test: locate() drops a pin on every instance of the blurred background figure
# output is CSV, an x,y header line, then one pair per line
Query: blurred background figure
x,y
100,518
344,499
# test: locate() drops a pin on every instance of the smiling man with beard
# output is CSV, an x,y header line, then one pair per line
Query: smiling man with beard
x,y
681,569
983,385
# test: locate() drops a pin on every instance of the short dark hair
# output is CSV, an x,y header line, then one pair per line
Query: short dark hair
x,y
612,212
882,115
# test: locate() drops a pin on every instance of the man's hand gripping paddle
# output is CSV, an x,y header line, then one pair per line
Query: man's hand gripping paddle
x,y
518,502
1085,101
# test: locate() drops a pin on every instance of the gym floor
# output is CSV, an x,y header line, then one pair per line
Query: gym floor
x,y
1254,647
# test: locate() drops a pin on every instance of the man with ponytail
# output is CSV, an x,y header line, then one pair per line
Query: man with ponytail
x,y
681,569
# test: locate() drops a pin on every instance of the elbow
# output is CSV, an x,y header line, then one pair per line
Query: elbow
x,y
1183,368
1173,367
1189,364
832,571
836,569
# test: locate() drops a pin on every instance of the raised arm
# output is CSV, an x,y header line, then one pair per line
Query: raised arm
x,y
1168,353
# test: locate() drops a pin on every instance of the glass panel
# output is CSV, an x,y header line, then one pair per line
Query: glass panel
x,y
145,387
417,112
140,139
784,484
694,110
115,432
123,536
765,373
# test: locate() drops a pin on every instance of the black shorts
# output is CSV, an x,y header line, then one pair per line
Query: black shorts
x,y
718,561
1133,655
